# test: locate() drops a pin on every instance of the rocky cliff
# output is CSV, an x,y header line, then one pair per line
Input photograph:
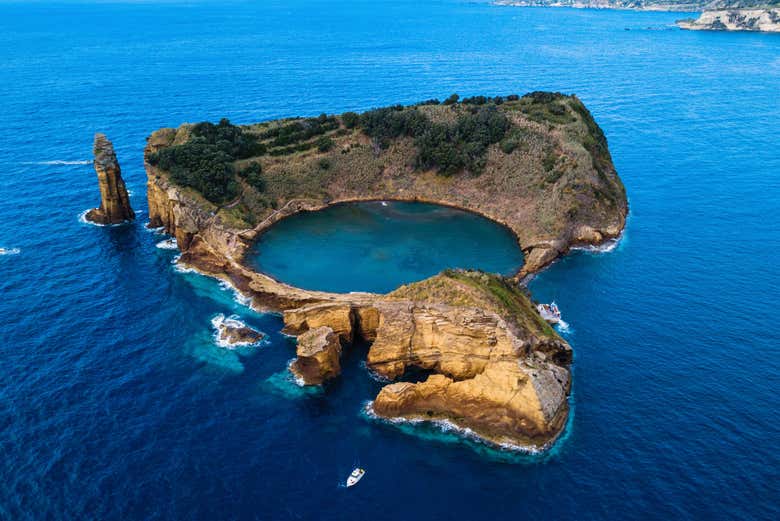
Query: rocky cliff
x,y
493,366
763,20
114,202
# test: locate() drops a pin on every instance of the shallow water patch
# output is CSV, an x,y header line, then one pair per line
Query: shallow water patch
x,y
377,246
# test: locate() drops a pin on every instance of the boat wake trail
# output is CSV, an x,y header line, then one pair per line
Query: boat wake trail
x,y
563,327
10,251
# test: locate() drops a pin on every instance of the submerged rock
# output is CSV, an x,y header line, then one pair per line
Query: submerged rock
x,y
318,351
114,201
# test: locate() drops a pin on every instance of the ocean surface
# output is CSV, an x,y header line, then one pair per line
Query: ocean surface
x,y
377,246
116,403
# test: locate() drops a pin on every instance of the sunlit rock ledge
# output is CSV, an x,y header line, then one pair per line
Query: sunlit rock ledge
x,y
538,164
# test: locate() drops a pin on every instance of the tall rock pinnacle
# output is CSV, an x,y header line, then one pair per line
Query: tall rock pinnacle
x,y
114,203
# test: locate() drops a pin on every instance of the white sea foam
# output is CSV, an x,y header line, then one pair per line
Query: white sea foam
x,y
159,230
373,374
605,247
10,251
59,162
238,297
221,320
563,326
447,427
181,268
168,244
83,220
300,382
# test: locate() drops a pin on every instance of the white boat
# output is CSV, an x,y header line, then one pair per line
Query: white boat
x,y
550,312
356,476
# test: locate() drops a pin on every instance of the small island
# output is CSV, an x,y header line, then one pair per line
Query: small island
x,y
538,164
765,19
687,6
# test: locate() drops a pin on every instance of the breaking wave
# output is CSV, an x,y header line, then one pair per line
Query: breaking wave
x,y
232,321
374,375
167,244
605,247
448,428
83,220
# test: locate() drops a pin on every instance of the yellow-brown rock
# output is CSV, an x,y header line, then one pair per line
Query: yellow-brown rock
x,y
497,368
339,317
318,353
114,201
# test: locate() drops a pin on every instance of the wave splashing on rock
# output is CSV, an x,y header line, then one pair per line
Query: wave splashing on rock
x,y
232,333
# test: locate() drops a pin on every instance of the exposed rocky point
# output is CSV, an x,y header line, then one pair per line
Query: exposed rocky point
x,y
114,201
318,354
495,366
234,333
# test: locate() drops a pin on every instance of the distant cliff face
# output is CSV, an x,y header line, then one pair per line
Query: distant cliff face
x,y
644,5
114,201
763,20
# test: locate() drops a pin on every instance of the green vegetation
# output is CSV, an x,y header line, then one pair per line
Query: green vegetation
x,y
447,147
350,119
510,300
204,162
546,107
462,146
222,161
474,288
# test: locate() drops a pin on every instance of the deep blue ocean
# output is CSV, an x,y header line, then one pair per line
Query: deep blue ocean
x,y
115,403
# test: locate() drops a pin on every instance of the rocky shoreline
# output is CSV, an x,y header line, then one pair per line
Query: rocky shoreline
x,y
493,365
752,20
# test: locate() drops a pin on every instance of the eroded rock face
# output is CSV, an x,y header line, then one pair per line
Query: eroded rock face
x,y
498,370
339,317
114,201
318,353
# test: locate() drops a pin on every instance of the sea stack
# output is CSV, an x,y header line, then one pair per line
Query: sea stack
x,y
114,202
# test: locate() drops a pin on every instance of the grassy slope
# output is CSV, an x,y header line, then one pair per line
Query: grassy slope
x,y
479,290
557,150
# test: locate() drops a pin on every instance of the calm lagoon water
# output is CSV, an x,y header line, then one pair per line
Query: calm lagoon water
x,y
115,402
377,246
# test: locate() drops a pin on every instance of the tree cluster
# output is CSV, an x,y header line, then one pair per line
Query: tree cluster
x,y
204,162
449,148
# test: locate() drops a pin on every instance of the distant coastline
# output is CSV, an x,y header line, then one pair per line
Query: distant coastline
x,y
751,20
645,5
